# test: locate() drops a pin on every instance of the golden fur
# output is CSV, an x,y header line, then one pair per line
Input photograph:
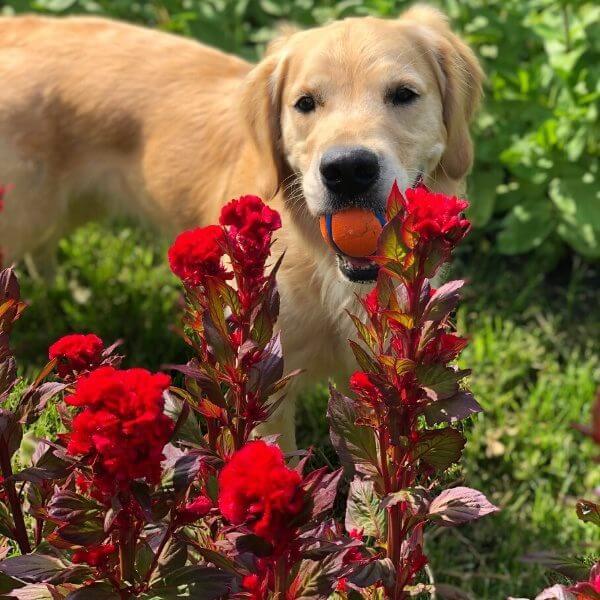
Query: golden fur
x,y
99,117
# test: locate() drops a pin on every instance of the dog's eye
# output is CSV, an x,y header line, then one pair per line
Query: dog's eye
x,y
305,104
402,95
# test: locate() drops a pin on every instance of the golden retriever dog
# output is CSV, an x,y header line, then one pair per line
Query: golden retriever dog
x,y
99,118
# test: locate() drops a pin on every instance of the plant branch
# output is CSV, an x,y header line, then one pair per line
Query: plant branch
x,y
13,500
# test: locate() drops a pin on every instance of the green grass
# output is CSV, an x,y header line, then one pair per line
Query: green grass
x,y
534,356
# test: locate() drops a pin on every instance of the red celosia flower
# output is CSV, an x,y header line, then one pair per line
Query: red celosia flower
x,y
76,353
250,224
361,384
258,489
354,554
436,216
122,430
590,589
196,255
342,585
444,348
250,219
195,510
95,557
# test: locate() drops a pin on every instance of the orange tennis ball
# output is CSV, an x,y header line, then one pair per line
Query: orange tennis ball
x,y
353,231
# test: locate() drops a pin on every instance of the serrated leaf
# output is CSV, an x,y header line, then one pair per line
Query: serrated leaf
x,y
440,381
460,505
43,568
354,444
444,301
374,571
194,581
588,512
100,590
363,511
365,362
440,448
458,407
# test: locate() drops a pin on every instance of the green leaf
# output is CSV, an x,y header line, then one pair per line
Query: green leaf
x,y
578,202
390,244
482,194
588,512
363,510
354,444
11,431
440,381
526,227
194,581
440,448
40,567
100,590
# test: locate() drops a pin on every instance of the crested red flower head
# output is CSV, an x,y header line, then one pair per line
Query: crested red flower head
x,y
436,216
444,348
250,219
192,511
361,385
122,429
196,254
95,557
76,353
590,589
258,489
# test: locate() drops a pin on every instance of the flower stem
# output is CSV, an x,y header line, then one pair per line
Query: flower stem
x,y
160,549
280,578
13,500
127,552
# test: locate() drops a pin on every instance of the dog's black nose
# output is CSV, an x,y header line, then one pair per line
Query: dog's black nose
x,y
349,170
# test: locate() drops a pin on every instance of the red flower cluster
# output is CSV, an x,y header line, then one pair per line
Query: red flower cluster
x,y
444,348
436,216
196,255
192,511
362,386
95,557
122,430
258,489
76,353
250,224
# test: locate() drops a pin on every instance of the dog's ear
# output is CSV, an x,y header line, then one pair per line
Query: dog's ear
x,y
460,77
261,112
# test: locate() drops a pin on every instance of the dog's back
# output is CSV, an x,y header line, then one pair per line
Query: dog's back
x,y
90,107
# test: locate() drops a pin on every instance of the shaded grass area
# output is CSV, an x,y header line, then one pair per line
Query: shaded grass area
x,y
534,356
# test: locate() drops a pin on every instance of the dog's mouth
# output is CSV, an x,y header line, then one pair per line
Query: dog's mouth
x,y
357,270
364,270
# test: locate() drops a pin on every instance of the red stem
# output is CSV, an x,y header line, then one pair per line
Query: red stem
x,y
13,500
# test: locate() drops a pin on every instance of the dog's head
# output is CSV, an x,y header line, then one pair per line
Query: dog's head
x,y
340,112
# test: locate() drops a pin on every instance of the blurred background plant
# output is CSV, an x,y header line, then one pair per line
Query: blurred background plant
x,y
534,320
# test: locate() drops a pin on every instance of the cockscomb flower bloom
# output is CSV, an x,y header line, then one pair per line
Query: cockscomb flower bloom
x,y
197,254
590,589
361,385
256,488
95,557
76,353
195,510
444,348
122,430
436,216
250,221
249,224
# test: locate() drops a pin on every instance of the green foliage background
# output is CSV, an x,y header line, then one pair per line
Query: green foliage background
x,y
536,181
